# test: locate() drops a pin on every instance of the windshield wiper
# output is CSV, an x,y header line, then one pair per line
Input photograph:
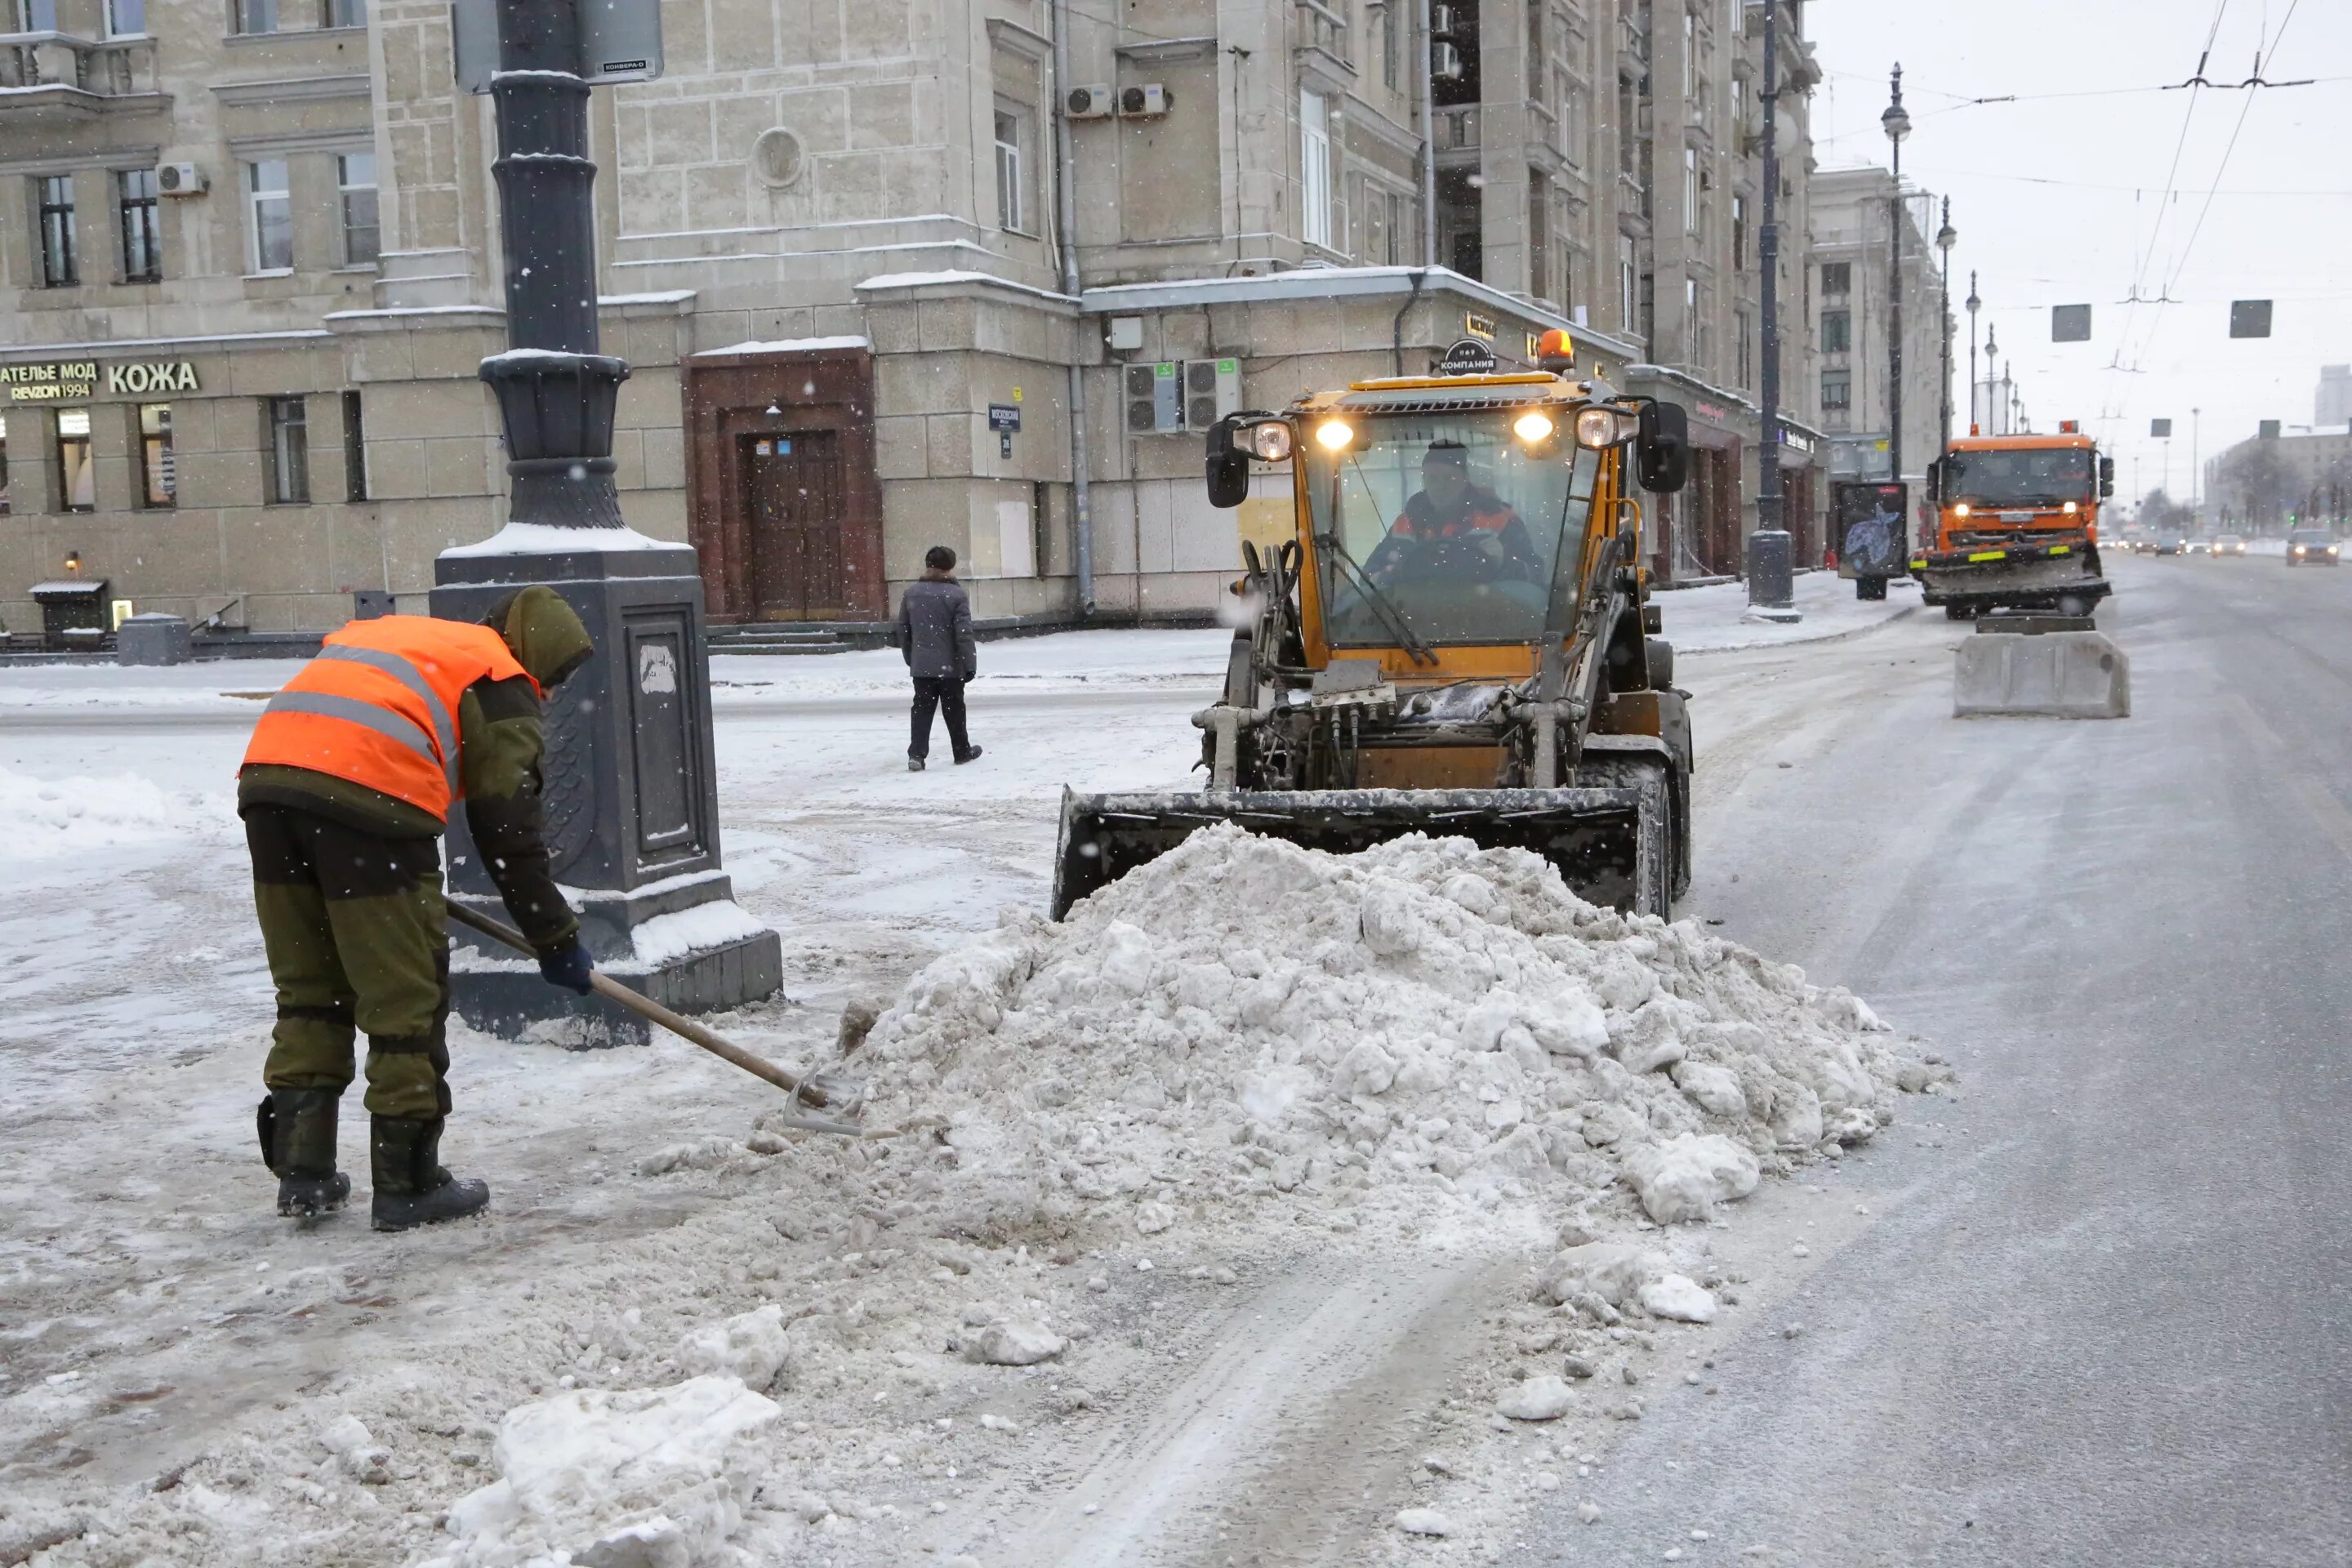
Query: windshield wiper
x,y
1386,608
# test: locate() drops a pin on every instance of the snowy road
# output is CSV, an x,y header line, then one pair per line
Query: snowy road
x,y
2100,1315
2090,1312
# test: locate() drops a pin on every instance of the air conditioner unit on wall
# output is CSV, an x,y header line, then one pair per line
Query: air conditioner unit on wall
x,y
1155,405
1145,100
1441,21
1445,62
1213,389
181,180
1090,102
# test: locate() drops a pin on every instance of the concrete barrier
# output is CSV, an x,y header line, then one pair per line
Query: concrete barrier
x,y
2056,675
153,640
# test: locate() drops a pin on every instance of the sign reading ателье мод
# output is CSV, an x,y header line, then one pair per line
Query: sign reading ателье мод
x,y
77,381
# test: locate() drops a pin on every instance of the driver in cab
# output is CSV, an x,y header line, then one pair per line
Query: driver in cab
x,y
1452,528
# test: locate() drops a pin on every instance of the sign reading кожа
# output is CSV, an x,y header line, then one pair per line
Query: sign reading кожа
x,y
76,380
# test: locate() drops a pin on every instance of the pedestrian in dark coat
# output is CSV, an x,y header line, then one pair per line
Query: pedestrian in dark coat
x,y
934,632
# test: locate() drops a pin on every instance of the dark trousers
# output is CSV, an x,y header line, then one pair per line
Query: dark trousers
x,y
945,693
357,942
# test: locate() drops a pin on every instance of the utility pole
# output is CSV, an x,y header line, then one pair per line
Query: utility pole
x,y
1946,238
1896,122
2196,475
633,807
1771,580
1973,305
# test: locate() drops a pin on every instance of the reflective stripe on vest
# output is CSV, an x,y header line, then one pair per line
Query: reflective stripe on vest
x,y
367,715
379,707
404,671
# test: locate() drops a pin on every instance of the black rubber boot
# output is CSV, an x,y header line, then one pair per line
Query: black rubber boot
x,y
411,1187
971,756
298,1143
914,765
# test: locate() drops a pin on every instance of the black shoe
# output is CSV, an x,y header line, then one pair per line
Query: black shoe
x,y
914,765
298,1143
971,756
411,1187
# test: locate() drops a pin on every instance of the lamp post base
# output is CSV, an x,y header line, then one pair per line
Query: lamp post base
x,y
1772,575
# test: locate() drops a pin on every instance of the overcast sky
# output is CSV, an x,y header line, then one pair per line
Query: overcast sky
x,y
2062,199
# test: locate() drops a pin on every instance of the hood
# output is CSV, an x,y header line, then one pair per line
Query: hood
x,y
543,633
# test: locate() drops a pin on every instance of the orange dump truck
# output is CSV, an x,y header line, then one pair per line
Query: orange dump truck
x,y
2016,524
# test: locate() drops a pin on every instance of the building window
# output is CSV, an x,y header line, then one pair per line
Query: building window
x,y
159,474
3,466
345,14
1738,233
1537,75
126,18
1837,330
1837,276
257,15
1837,389
76,475
271,216
356,182
286,438
1626,301
1747,348
1690,190
1540,243
1315,168
143,245
1010,192
53,197
355,486
36,16
1393,30
1399,230
1690,56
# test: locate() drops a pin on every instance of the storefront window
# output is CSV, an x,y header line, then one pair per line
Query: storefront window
x,y
158,477
286,433
76,475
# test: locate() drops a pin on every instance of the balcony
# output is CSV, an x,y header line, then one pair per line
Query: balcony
x,y
56,77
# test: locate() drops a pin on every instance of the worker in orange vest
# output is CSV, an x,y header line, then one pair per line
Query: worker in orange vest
x,y
346,790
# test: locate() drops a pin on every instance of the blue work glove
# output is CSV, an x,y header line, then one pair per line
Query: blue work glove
x,y
568,966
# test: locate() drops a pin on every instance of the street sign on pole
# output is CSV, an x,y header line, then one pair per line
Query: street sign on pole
x,y
2250,317
2159,429
2070,323
619,40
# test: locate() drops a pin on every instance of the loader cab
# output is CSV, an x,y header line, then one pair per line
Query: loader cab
x,y
1442,523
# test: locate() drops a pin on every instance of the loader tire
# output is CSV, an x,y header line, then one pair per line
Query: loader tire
x,y
1650,888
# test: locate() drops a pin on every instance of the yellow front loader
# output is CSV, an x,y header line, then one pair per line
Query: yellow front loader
x,y
1457,639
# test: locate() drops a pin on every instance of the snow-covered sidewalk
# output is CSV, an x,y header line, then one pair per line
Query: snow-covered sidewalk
x,y
1713,619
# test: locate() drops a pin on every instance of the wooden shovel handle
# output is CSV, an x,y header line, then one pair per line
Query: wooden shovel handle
x,y
808,1090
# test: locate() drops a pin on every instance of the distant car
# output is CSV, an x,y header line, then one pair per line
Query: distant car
x,y
2171,545
2197,547
2312,547
2229,545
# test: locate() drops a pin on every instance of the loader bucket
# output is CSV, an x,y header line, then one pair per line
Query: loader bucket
x,y
1592,836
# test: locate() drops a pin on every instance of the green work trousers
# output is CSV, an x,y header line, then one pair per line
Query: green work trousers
x,y
357,940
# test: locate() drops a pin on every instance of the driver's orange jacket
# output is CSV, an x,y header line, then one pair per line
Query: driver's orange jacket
x,y
1480,509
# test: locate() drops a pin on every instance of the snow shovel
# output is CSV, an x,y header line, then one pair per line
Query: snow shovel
x,y
811,1088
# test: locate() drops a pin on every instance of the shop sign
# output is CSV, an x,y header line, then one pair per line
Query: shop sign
x,y
1004,417
1479,326
77,381
1467,356
1711,411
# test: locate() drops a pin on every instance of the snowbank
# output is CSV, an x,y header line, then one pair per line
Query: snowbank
x,y
49,817
1422,1025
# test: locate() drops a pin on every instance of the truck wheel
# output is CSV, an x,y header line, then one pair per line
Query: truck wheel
x,y
1959,612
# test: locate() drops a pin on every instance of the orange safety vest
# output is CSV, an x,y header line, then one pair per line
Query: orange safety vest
x,y
379,706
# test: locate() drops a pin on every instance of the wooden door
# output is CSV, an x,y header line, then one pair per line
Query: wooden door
x,y
791,486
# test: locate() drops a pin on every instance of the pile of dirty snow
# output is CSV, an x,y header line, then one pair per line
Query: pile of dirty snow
x,y
1424,1022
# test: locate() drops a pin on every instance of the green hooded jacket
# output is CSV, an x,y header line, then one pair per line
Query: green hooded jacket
x,y
501,743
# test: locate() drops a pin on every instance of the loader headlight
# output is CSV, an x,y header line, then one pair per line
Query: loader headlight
x,y
1961,509
2070,509
1534,427
1270,443
1599,428
1334,435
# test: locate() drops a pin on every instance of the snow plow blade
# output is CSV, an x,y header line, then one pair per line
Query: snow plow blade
x,y
1592,836
2022,576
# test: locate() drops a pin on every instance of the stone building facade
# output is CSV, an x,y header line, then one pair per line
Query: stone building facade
x,y
866,261
1849,289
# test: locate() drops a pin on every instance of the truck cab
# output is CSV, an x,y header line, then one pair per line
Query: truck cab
x,y
2017,524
